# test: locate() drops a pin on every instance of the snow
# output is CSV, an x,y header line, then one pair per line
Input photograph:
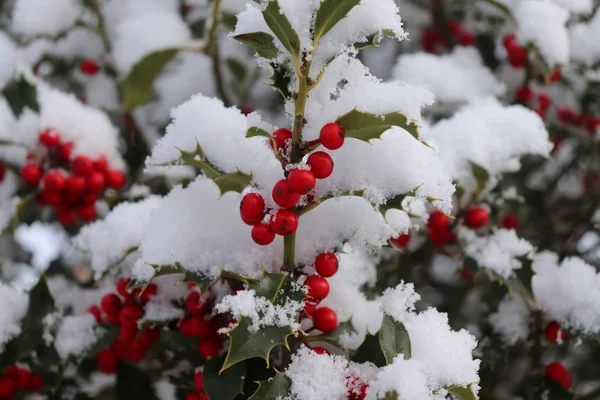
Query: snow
x,y
544,24
108,240
13,304
511,320
498,251
8,51
76,335
159,310
464,77
101,91
399,302
568,292
44,241
406,377
582,49
8,188
41,17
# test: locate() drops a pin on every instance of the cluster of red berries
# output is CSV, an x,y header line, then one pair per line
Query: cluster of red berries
x,y
433,39
199,385
288,192
517,54
198,324
324,318
526,95
125,310
568,116
16,378
89,67
70,185
438,227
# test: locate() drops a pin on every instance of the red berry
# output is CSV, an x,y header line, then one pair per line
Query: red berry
x,y
262,234
431,39
553,332
49,198
82,165
197,325
281,136
321,164
525,94
517,56
510,221
465,38
101,164
593,123
122,287
35,383
284,196
2,171
50,138
439,236
467,274
567,115
107,361
95,181
130,315
509,40
195,304
87,213
556,75
455,27
198,381
6,387
325,320
111,303
64,152
332,136
284,222
113,319
128,334
89,66
252,208
22,378
96,312
136,352
31,174
326,264
400,241
560,374
194,396
74,187
150,291
477,217
115,179
320,350
438,220
149,336
318,287
120,348
209,347
582,120
66,216
301,181
310,307
54,181
544,100
89,198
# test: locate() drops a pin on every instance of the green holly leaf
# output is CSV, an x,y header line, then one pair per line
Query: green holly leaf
x,y
281,80
255,131
133,384
366,126
41,304
233,182
282,28
237,69
276,287
261,42
370,350
202,281
462,393
329,14
20,94
375,40
277,387
137,86
393,339
393,395
225,386
482,176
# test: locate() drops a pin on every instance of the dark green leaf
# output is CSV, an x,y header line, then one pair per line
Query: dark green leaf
x,y
268,285
281,80
137,85
237,69
366,127
133,384
329,14
281,27
233,182
181,383
261,42
481,175
226,385
176,341
20,94
370,350
255,131
276,387
110,333
393,339
462,393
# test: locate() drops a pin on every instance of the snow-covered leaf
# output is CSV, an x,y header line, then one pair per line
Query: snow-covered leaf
x,y
261,42
281,27
393,339
329,14
462,393
274,388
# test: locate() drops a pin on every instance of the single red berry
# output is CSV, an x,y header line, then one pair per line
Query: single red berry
x,y
284,222
321,164
120,348
64,152
465,38
95,181
209,347
21,380
301,181
477,217
554,333
149,336
281,136
31,174
252,208
318,287
101,164
2,171
198,381
195,396
128,333
35,384
149,292
559,374
320,350
310,306
136,352
401,240
82,165
49,198
431,39
593,123
195,304
567,115
556,75
54,181
86,213
90,198
6,387
89,66
115,179
50,138
122,287
113,319
74,187
326,264
510,221
96,312
439,236
130,315
247,110
111,303
525,94
438,220
197,325
66,216
332,136
517,56
107,361
262,234
466,274
284,196
325,320
544,101
509,40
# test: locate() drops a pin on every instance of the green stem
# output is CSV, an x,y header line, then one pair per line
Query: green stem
x,y
289,250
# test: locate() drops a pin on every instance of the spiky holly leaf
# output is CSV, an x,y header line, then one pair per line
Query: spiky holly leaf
x,y
138,84
41,304
462,393
329,14
21,94
274,388
370,350
281,80
222,386
203,282
393,339
133,384
282,28
255,131
261,42
366,126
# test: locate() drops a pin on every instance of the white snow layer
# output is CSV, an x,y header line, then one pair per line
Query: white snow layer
x,y
13,304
